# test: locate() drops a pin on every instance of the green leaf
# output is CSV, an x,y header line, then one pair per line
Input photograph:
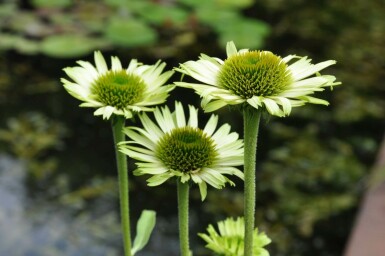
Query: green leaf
x,y
228,4
158,14
129,33
246,33
51,3
217,17
9,41
69,46
144,227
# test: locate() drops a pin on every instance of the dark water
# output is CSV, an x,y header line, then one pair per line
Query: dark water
x,y
46,227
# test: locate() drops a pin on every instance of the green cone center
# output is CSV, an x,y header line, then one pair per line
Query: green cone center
x,y
255,73
186,149
118,89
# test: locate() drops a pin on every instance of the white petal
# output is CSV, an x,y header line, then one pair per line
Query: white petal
x,y
193,120
133,65
150,127
272,107
214,105
115,64
221,133
211,125
255,101
285,103
179,115
231,49
100,62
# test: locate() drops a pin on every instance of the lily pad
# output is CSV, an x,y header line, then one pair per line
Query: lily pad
x,y
69,46
157,14
218,17
129,33
246,33
228,4
51,3
18,43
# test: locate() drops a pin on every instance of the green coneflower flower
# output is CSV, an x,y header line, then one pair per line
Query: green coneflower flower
x,y
176,148
229,241
118,91
259,78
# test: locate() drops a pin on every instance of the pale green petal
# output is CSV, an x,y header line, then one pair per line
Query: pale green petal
x,y
101,64
255,101
212,177
272,107
106,112
231,171
229,138
193,120
222,132
203,190
285,103
214,105
148,125
75,90
88,66
198,70
142,140
158,179
314,100
139,156
165,119
179,115
133,65
137,149
211,125
115,64
231,49
289,58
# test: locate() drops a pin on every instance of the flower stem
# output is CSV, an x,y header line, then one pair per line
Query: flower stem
x,y
251,119
183,201
121,160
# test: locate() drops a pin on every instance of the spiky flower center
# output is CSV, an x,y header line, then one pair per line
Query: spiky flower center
x,y
118,89
186,149
254,73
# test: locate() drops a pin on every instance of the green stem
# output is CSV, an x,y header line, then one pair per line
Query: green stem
x,y
251,117
183,200
121,160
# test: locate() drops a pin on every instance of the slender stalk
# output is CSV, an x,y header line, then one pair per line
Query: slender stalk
x,y
121,160
183,201
251,119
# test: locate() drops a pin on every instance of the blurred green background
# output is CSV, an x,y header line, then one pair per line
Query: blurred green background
x,y
57,168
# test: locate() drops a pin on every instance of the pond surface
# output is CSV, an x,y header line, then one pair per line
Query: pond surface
x,y
46,227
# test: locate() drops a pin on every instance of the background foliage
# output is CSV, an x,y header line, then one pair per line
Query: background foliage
x,y
312,166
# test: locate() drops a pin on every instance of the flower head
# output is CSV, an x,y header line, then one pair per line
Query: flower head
x,y
230,242
118,91
258,78
176,148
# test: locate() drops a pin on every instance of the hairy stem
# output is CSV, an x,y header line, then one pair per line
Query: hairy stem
x,y
183,213
121,160
251,119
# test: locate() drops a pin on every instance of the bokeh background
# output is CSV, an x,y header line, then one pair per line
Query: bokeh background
x,y
58,191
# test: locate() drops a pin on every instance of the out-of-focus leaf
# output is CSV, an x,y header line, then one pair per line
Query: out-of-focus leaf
x,y
7,9
69,46
144,227
157,14
230,4
216,17
245,33
129,33
8,41
51,3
